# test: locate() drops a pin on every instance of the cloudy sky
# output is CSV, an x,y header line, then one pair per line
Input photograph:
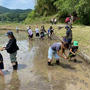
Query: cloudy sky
x,y
18,4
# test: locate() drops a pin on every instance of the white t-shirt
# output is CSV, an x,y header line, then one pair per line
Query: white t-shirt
x,y
30,32
16,28
37,30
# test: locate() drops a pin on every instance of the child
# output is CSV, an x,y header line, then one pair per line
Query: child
x,y
12,49
37,31
30,33
17,30
54,50
73,50
50,31
1,64
49,34
43,31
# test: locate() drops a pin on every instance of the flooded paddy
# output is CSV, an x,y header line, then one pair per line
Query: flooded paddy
x,y
35,74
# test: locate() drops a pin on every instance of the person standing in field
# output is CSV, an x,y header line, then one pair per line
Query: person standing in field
x,y
37,31
50,32
67,21
68,35
57,50
42,33
17,29
12,49
30,33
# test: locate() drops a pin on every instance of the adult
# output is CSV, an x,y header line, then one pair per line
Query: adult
x,y
68,35
68,22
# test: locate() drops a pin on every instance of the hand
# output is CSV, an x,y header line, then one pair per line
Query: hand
x,y
1,49
65,58
74,53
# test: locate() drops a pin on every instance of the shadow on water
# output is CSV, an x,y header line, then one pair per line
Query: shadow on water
x,y
2,83
14,83
6,72
21,66
78,61
66,66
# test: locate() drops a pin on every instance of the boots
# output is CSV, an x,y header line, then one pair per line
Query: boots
x,y
57,62
49,63
15,66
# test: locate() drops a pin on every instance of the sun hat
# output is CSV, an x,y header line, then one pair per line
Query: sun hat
x,y
9,33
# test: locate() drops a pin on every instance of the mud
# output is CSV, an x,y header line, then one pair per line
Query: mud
x,y
35,74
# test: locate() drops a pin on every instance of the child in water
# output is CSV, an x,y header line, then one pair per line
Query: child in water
x,y
1,64
73,51
50,31
57,50
37,31
42,33
30,33
12,49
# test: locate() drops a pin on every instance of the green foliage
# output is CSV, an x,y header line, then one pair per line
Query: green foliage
x,y
45,7
67,7
10,15
63,8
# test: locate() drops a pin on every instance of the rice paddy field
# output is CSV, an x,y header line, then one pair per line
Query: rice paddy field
x,y
80,33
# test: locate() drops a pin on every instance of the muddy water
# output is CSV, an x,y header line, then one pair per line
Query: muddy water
x,y
35,74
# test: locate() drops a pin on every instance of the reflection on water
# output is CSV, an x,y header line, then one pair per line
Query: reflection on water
x,y
14,84
2,83
34,74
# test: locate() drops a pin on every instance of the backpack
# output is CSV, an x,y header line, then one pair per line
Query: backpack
x,y
67,20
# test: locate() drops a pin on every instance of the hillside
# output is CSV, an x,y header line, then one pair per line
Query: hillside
x,y
61,9
13,15
3,10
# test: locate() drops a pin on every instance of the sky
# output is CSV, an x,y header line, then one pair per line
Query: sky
x,y
18,4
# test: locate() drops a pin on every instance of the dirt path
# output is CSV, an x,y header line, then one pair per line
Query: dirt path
x,y
35,74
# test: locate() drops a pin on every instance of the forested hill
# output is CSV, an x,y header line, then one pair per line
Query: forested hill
x,y
3,10
13,15
62,9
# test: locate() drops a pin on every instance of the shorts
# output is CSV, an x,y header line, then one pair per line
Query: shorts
x,y
13,57
31,36
1,65
37,34
52,53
